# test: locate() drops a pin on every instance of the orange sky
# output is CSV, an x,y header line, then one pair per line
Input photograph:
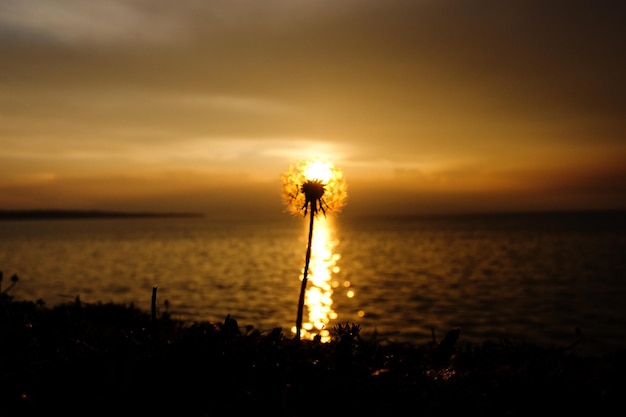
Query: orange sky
x,y
427,106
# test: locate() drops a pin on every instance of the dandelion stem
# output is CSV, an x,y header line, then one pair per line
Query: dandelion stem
x,y
304,278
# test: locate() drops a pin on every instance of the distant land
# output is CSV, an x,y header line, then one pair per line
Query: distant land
x,y
46,214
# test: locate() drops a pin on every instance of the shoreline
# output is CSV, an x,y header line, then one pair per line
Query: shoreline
x,y
53,214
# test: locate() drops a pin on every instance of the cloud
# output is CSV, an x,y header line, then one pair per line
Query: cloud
x,y
81,22
427,96
117,22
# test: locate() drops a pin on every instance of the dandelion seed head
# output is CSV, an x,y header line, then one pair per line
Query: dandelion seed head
x,y
313,184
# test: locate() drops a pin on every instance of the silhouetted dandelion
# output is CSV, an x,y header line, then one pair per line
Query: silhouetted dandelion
x,y
309,187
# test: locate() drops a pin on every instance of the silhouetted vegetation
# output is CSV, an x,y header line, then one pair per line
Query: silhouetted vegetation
x,y
112,359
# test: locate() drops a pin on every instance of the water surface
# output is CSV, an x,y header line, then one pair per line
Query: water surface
x,y
539,278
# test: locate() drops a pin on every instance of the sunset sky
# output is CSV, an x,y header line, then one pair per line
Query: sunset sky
x,y
428,106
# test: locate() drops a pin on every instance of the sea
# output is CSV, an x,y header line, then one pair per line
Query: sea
x,y
553,279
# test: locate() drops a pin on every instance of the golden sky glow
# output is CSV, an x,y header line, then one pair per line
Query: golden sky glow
x,y
427,106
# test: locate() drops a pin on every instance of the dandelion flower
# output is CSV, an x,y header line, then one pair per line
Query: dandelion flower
x,y
314,184
310,187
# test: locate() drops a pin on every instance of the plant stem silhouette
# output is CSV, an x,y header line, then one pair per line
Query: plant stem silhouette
x,y
305,277
312,186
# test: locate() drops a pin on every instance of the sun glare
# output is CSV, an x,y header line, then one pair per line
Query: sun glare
x,y
317,169
319,297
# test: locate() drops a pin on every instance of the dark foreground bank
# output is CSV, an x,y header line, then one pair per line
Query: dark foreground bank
x,y
110,359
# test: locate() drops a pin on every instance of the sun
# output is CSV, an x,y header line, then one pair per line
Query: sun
x,y
318,170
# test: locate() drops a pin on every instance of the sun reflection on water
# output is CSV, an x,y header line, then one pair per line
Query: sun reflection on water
x,y
322,269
